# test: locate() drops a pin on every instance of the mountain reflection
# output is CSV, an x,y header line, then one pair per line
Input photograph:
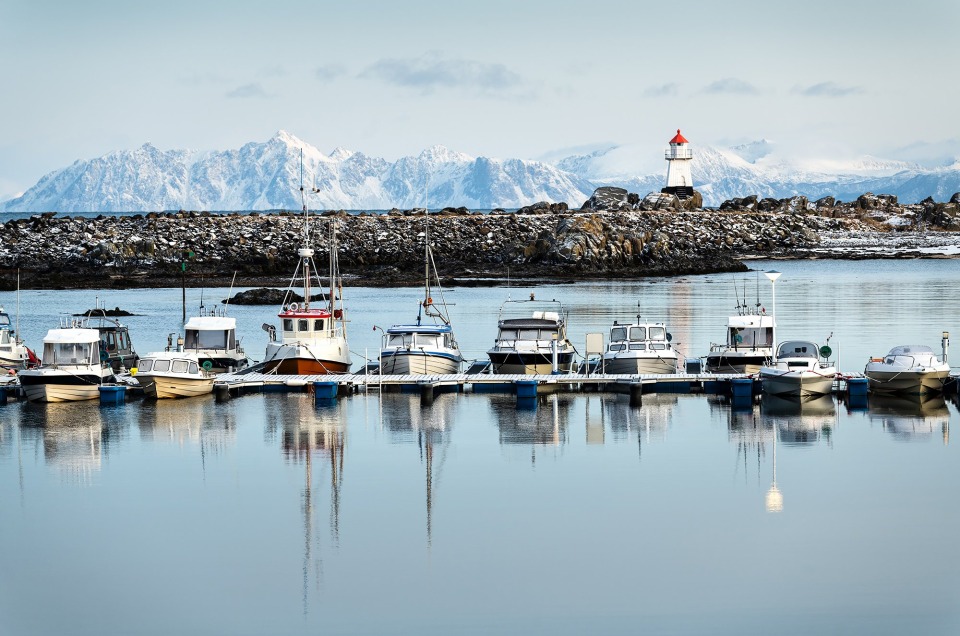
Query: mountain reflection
x,y
911,417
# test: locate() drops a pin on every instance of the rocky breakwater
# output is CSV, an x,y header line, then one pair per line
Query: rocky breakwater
x,y
547,241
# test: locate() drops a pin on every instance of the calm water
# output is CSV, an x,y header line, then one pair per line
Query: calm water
x,y
270,515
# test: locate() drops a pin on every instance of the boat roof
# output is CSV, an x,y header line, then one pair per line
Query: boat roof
x,y
637,324
171,355
750,321
798,349
71,336
210,323
420,329
908,350
305,313
528,323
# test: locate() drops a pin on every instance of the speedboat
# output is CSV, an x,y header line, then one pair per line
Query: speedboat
x,y
912,369
212,338
72,368
640,348
313,340
13,353
533,346
173,374
423,348
749,345
798,370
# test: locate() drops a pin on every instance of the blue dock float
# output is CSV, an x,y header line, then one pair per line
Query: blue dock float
x,y
3,395
111,394
526,388
325,391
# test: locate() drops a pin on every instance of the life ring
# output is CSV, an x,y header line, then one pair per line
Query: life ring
x,y
293,306
207,365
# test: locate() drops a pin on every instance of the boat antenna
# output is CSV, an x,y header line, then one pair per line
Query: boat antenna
x,y
18,302
424,306
227,304
639,317
736,296
757,309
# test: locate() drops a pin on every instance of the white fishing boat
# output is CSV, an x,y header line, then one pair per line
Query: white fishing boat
x,y
640,348
72,369
14,354
313,340
913,369
798,370
116,347
533,346
420,348
212,338
749,345
173,374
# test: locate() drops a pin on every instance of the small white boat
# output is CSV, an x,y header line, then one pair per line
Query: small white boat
x,y
913,369
798,371
173,374
749,345
532,346
72,369
13,353
212,338
639,348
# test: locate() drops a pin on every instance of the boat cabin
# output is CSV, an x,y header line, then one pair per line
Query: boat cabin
x,y
305,323
168,365
71,347
543,326
210,333
649,337
750,332
798,349
420,337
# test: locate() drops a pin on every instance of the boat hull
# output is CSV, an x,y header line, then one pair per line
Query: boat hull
x,y
639,365
908,382
307,359
161,387
532,363
60,388
416,363
796,383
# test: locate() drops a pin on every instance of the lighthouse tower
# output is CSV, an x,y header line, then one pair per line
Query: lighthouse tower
x,y
678,156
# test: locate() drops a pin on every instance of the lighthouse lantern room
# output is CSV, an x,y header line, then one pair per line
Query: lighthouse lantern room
x,y
678,156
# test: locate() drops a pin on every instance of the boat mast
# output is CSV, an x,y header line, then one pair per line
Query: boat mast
x,y
305,253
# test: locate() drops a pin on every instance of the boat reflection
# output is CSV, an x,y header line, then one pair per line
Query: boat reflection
x,y
911,417
198,421
542,421
649,423
71,434
800,421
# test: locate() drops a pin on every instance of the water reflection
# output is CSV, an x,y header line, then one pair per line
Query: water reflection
x,y
800,421
911,417
195,421
71,435
542,421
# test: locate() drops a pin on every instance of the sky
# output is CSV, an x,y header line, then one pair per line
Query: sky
x,y
526,79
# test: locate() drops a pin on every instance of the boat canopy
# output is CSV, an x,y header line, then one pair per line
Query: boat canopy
x,y
798,349
210,323
529,323
910,350
420,329
70,336
752,321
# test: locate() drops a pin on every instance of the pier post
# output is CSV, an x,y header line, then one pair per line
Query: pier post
x,y
427,391
636,394
325,392
3,395
221,392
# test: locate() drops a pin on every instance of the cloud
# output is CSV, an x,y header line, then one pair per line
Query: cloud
x,y
430,72
329,72
247,91
828,89
664,90
731,86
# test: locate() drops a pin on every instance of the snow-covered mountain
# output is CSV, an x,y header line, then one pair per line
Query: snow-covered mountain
x,y
266,175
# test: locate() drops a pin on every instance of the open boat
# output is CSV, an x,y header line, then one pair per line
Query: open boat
x,y
423,348
640,348
72,368
798,370
912,369
313,340
533,346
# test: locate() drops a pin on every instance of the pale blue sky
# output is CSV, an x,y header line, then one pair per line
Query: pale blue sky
x,y
496,78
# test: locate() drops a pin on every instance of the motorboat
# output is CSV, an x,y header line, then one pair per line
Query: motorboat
x,y
798,370
640,348
533,346
173,374
313,339
913,369
748,346
72,368
14,354
116,348
212,338
423,348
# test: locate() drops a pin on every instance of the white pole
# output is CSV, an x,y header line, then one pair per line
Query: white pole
x,y
773,275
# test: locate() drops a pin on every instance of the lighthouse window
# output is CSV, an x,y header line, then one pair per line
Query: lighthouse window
x,y
658,333
288,324
618,333
318,325
303,325
639,333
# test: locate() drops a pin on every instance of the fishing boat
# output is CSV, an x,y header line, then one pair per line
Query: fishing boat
x,y
799,371
72,367
313,340
749,340
423,348
174,373
212,338
14,354
116,348
532,346
912,369
640,348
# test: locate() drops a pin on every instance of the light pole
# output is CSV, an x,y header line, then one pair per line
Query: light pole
x,y
772,276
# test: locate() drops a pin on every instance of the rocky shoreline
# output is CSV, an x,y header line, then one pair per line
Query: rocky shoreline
x,y
614,235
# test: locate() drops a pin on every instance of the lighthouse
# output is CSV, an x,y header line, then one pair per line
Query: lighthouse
x,y
678,156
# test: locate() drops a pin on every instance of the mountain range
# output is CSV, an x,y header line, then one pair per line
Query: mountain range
x,y
266,176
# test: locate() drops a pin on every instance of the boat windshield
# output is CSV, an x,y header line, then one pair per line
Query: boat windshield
x,y
638,333
146,364
210,339
404,340
4,320
658,333
797,349
618,333
180,366
71,353
750,337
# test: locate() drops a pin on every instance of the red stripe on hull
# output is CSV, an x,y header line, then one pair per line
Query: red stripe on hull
x,y
304,366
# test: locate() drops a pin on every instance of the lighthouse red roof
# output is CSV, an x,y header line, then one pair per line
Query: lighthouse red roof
x,y
679,139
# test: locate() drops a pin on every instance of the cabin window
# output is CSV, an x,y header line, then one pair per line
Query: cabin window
x,y
122,341
70,353
617,347
637,346
303,325
428,340
618,333
638,333
180,366
447,341
508,334
658,333
657,347
145,364
4,320
161,365
528,334
194,370
204,339
400,340
288,324
318,324
109,340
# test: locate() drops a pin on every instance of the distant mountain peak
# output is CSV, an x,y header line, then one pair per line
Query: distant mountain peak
x,y
340,153
442,154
